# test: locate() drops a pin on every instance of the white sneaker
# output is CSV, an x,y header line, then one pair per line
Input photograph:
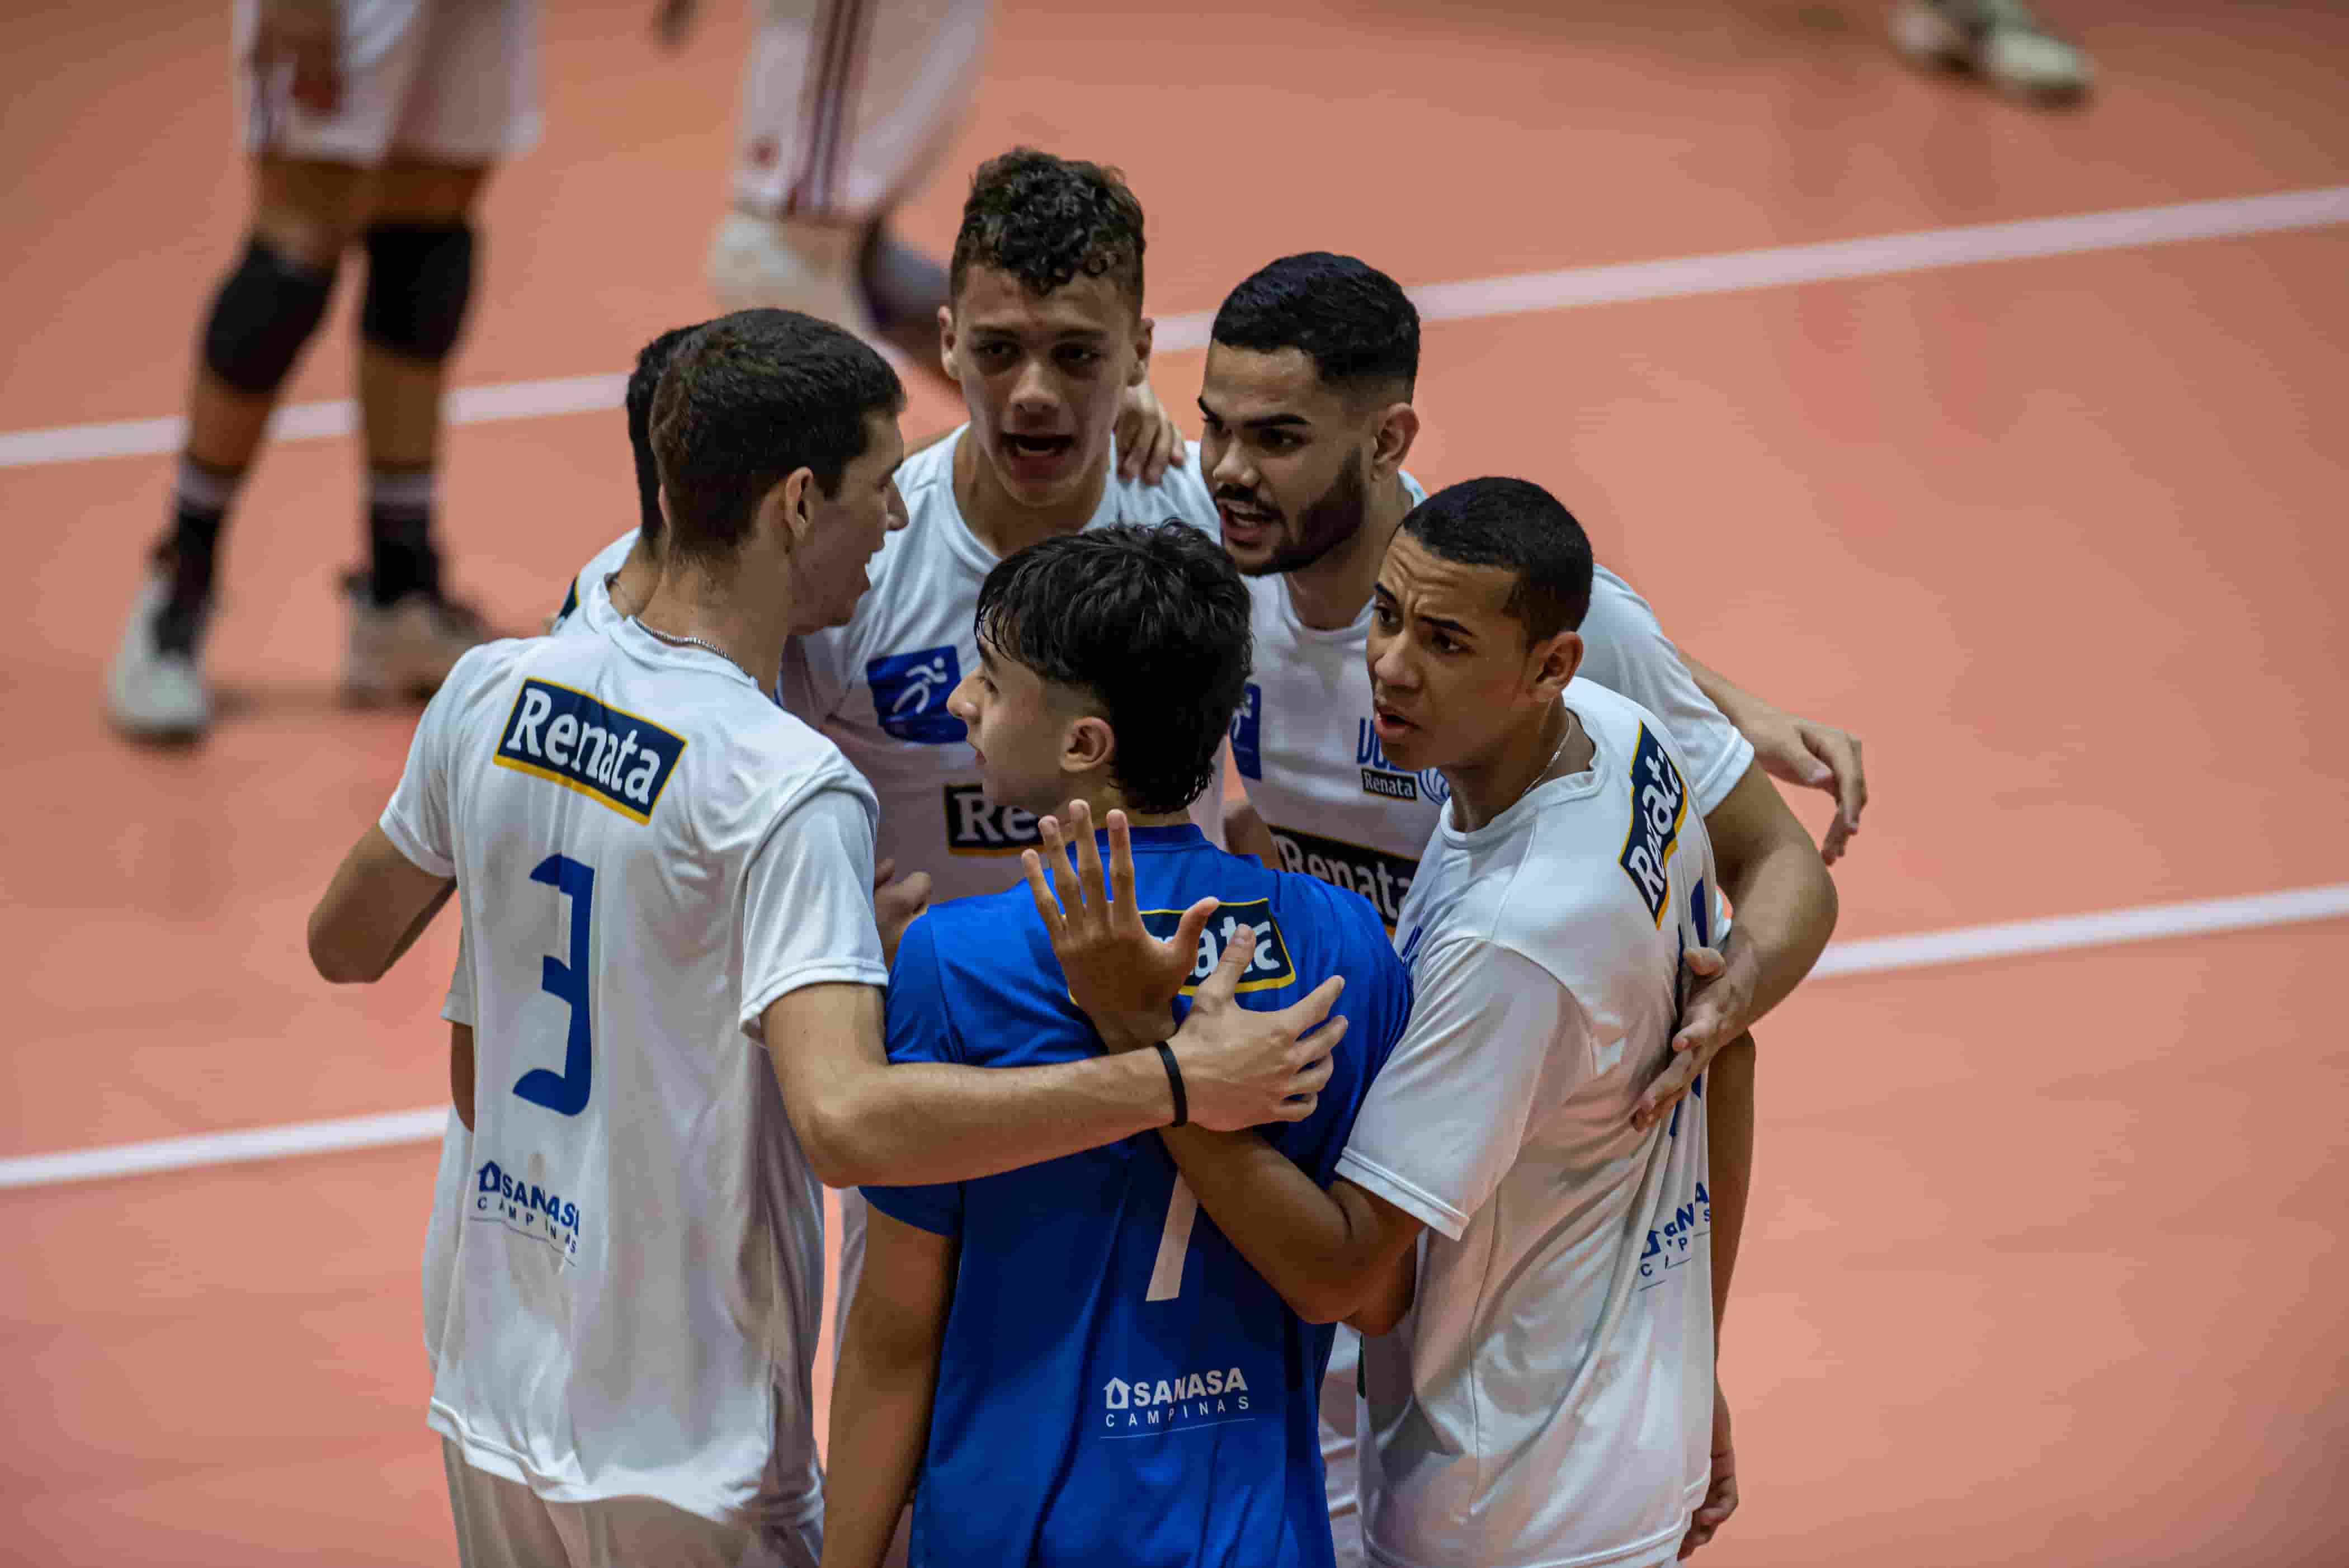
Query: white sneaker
x,y
406,648
2002,40
152,692
790,264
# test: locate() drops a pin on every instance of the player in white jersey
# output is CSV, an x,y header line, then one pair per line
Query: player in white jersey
x,y
657,863
1307,399
1549,1398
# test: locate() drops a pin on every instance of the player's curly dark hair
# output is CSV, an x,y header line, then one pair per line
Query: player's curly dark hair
x,y
643,382
1517,524
746,401
1048,220
1350,319
1153,621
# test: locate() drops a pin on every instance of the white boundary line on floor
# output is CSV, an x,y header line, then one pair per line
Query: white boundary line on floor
x,y
1867,955
1727,272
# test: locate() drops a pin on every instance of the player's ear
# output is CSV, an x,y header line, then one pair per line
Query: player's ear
x,y
1398,428
1555,660
1087,745
946,342
789,507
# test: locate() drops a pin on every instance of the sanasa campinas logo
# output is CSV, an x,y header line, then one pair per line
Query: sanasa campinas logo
x,y
1169,1404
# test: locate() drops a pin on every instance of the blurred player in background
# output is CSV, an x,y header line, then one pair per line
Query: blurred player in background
x,y
373,122
847,106
2003,41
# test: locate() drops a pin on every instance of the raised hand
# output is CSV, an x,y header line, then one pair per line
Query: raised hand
x,y
1124,979
1148,439
897,903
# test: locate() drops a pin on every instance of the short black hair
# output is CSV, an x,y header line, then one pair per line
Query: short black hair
x,y
1518,524
1350,319
1152,620
643,382
746,401
1047,220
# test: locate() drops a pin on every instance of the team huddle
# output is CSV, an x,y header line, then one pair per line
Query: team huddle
x,y
1351,1173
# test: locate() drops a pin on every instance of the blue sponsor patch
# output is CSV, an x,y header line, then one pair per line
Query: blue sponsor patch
x,y
1269,966
1248,753
569,739
910,692
1659,807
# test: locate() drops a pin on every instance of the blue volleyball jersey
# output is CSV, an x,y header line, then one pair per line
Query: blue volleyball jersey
x,y
1116,1384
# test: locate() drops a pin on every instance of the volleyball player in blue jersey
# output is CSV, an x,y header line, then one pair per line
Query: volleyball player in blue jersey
x,y
1069,1362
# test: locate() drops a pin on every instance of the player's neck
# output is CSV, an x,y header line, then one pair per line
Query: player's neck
x,y
631,587
1000,521
1330,594
1106,799
1529,756
740,620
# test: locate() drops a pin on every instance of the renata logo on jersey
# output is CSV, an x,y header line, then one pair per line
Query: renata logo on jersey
x,y
1378,876
1186,1399
977,826
1269,966
569,739
910,692
1659,805
1247,727
526,1209
1381,777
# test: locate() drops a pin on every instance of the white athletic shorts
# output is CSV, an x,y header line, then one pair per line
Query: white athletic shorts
x,y
502,1523
848,104
449,81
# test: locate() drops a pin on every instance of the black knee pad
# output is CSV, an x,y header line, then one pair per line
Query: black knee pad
x,y
264,311
419,278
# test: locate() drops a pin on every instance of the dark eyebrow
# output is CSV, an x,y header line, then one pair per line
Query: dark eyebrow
x,y
1453,626
1269,422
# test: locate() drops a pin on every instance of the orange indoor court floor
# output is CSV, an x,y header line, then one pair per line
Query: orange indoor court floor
x,y
2045,1259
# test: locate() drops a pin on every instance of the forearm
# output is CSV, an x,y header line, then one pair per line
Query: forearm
x,y
1729,1153
920,1123
1734,700
881,1403
1310,1245
1785,909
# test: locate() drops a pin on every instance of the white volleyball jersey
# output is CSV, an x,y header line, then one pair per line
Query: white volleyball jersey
x,y
588,605
878,686
1549,1400
1339,810
648,853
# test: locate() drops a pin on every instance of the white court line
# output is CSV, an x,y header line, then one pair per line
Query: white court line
x,y
1867,955
1726,271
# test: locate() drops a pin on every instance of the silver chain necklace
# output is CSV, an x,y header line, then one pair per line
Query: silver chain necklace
x,y
678,638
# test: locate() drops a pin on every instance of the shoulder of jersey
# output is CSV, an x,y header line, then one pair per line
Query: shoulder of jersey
x,y
1348,914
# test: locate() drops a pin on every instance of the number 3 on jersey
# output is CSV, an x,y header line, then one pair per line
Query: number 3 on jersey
x,y
565,1093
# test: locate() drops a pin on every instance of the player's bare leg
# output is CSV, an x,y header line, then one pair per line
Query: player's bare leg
x,y
261,318
405,632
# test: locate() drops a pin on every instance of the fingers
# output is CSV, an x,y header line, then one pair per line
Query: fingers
x,y
1837,840
883,872
1162,441
1224,984
1195,921
1091,883
1048,908
1706,961
1123,912
1301,1016
1666,1091
1064,868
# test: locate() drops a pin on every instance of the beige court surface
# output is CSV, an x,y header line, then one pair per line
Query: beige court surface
x,y
2045,1259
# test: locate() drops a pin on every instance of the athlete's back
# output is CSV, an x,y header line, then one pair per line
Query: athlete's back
x,y
1115,1383
650,851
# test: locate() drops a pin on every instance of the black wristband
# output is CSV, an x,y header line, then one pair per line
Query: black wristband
x,y
1175,1082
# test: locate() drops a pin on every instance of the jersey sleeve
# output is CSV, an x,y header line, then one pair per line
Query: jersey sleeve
x,y
807,904
920,1029
1444,1117
417,820
1627,652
